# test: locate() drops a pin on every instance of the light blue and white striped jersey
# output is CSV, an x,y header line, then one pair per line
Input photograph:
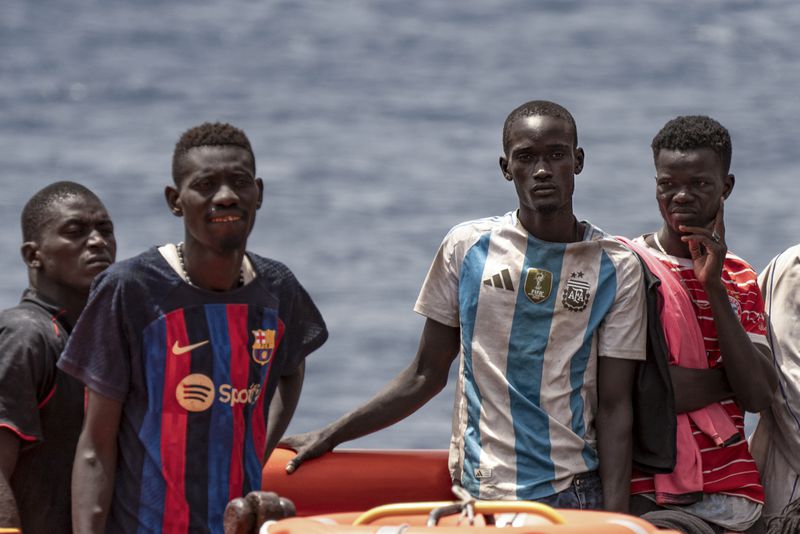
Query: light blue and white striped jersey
x,y
533,316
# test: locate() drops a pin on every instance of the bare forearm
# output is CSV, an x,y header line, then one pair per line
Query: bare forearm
x,y
400,398
92,487
697,388
9,454
282,407
749,371
9,515
95,465
615,450
409,390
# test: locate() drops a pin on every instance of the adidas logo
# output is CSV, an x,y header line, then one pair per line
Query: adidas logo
x,y
501,280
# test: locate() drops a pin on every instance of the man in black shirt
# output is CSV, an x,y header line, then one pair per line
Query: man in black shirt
x,y
68,238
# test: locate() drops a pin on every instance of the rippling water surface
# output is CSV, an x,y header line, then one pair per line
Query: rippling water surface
x,y
376,126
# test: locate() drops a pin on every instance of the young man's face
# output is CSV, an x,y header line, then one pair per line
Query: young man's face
x,y
218,196
76,242
542,161
689,186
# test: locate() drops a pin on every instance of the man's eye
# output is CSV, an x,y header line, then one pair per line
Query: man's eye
x,y
72,231
557,155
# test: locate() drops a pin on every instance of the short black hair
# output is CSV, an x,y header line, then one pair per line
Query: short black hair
x,y
690,132
208,134
537,107
36,210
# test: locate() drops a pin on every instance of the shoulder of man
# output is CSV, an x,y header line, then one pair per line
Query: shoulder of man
x,y
26,321
737,266
138,271
471,228
271,271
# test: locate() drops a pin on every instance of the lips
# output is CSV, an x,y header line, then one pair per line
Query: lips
x,y
225,219
218,217
98,261
683,213
543,189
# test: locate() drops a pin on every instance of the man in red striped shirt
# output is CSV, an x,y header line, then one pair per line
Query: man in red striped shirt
x,y
692,158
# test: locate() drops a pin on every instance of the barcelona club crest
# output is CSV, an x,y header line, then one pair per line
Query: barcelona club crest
x,y
576,293
263,346
538,284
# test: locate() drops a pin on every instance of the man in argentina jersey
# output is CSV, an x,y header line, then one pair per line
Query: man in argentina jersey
x,y
692,156
182,348
547,314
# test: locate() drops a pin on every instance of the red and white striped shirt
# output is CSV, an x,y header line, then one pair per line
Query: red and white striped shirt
x,y
730,470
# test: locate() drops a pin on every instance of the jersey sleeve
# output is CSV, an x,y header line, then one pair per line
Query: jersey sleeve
x,y
26,379
623,331
305,328
779,282
438,298
98,352
751,303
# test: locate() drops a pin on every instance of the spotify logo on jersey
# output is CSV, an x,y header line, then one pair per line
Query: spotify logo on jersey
x,y
195,392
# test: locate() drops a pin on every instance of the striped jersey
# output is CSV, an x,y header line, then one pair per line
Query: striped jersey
x,y
533,316
730,470
195,371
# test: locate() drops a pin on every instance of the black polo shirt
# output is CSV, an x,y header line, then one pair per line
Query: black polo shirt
x,y
43,407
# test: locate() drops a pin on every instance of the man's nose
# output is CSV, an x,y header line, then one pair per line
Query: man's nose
x,y
225,196
684,194
541,169
97,239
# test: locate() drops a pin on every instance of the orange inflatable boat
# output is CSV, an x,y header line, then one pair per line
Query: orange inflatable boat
x,y
410,492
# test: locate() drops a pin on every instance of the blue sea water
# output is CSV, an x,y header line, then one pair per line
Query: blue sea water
x,y
376,125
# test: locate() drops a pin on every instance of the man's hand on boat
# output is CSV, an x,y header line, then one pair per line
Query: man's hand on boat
x,y
307,446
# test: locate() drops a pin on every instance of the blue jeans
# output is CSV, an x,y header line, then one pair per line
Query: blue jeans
x,y
585,493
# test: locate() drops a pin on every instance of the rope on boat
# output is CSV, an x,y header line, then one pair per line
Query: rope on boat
x,y
787,522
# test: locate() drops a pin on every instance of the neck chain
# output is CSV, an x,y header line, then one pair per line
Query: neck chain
x,y
185,273
658,244
676,271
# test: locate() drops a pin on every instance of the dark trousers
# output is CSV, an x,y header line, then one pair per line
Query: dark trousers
x,y
585,493
663,517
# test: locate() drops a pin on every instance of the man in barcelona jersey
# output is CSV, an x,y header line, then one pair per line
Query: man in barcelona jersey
x,y
193,356
546,311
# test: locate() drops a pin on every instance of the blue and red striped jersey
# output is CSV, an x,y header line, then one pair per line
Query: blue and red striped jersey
x,y
195,371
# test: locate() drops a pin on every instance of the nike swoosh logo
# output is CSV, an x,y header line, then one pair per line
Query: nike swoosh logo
x,y
177,350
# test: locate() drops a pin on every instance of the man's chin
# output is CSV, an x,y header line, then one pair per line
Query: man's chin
x,y
231,243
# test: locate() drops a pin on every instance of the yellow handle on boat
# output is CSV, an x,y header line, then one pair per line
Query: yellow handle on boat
x,y
10,531
481,507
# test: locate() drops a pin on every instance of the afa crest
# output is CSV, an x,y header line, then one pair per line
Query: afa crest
x,y
538,285
263,346
576,293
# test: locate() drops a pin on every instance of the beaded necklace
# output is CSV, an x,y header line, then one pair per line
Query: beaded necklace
x,y
185,273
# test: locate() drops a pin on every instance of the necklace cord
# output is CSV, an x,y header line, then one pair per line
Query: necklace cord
x,y
185,273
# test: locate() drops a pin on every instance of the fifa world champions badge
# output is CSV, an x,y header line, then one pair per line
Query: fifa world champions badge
x,y
263,346
538,285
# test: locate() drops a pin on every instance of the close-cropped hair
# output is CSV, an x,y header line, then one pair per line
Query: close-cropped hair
x,y
37,210
691,132
537,108
208,134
